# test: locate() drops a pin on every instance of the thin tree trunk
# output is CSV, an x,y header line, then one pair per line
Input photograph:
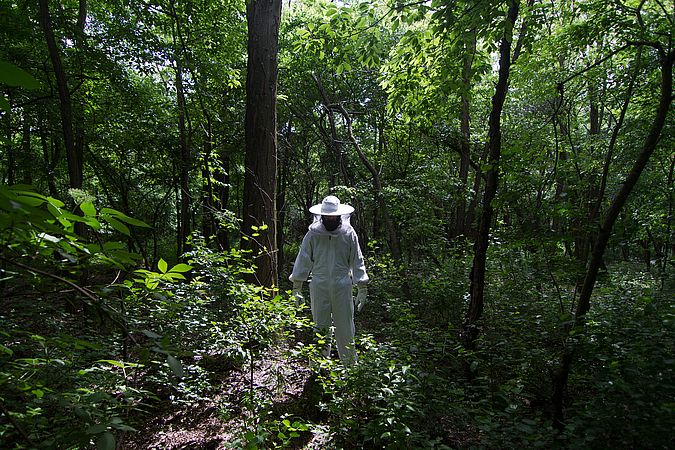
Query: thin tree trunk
x,y
11,159
26,156
260,179
49,163
74,157
605,231
473,203
392,234
377,184
184,162
470,331
284,159
465,131
669,219
78,103
209,225
612,141
223,196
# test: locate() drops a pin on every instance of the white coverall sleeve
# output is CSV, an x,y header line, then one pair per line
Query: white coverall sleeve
x,y
359,275
304,261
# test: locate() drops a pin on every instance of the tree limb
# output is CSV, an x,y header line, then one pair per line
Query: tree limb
x,y
84,291
16,424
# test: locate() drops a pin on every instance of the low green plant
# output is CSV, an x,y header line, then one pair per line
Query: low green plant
x,y
62,383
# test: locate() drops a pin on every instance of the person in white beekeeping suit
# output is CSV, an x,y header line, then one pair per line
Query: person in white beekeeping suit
x,y
330,252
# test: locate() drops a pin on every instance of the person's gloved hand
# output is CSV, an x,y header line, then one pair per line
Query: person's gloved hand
x,y
297,293
361,297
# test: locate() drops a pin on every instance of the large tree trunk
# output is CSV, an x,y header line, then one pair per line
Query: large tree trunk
x,y
470,331
605,231
260,180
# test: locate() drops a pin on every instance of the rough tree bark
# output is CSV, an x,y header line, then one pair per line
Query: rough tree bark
x,y
260,180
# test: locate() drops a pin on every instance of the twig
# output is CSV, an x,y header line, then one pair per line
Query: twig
x,y
16,424
84,291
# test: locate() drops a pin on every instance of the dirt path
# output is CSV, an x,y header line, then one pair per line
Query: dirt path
x,y
285,387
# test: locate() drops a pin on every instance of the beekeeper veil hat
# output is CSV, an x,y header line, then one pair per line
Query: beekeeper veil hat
x,y
331,206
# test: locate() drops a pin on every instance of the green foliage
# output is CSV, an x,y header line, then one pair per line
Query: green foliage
x,y
31,223
102,324
73,381
57,384
13,76
410,388
627,364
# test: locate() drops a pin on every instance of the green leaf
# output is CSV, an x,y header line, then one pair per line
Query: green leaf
x,y
162,265
39,393
113,362
123,427
181,268
12,75
119,226
112,245
31,198
176,366
88,208
124,218
6,350
120,364
4,104
49,237
151,334
96,429
132,221
173,276
82,414
106,441
56,202
93,223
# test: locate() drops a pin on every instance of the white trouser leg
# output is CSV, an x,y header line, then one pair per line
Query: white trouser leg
x,y
321,313
343,320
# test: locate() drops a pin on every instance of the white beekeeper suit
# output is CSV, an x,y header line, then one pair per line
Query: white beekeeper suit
x,y
330,252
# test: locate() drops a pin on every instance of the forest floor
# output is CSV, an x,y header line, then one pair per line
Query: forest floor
x,y
284,385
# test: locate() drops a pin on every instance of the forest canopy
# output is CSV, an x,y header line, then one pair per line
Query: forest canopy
x,y
511,167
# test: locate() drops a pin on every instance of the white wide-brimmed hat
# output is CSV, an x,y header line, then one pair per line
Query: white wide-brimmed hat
x,y
330,206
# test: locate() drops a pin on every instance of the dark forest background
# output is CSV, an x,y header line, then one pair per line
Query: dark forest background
x,y
511,166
